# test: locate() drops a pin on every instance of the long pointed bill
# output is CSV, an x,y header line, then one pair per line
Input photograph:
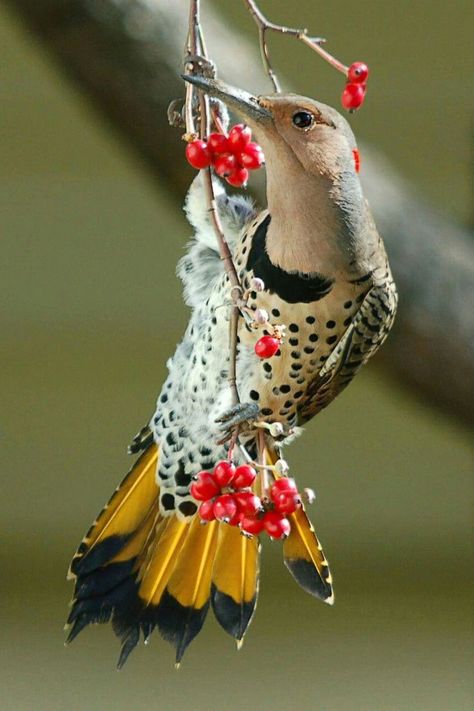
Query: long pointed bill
x,y
240,101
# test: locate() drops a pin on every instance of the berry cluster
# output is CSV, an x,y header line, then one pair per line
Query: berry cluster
x,y
354,92
225,494
231,156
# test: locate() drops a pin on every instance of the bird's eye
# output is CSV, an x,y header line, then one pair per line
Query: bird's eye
x,y
303,119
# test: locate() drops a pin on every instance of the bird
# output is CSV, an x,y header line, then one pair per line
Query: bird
x,y
147,561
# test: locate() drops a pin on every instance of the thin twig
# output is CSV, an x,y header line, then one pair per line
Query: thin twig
x,y
195,45
301,34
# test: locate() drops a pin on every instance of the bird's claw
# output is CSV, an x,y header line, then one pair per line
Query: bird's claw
x,y
247,413
244,413
238,415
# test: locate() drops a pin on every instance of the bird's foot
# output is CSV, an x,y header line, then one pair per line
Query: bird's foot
x,y
239,414
242,415
245,416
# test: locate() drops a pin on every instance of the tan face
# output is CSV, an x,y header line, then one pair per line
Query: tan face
x,y
316,134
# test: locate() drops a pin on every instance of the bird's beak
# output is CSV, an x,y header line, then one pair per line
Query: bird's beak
x,y
240,101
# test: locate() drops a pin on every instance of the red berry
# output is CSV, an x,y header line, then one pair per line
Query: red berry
x,y
285,483
206,510
267,346
198,154
252,157
204,487
356,154
358,72
217,143
248,502
353,96
276,525
224,164
236,519
225,508
223,472
239,137
244,476
286,502
251,525
238,177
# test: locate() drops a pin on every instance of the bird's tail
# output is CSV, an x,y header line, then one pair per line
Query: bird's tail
x,y
141,570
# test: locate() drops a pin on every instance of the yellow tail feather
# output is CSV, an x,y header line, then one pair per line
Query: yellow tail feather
x,y
122,515
305,559
235,580
303,553
161,559
190,583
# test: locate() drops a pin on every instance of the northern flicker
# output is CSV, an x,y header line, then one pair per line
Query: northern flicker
x,y
147,561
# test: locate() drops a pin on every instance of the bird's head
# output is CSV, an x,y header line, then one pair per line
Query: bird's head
x,y
297,134
314,196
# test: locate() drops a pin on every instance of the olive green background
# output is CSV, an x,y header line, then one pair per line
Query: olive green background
x,y
91,309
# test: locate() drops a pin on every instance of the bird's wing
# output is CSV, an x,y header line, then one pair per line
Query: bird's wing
x,y
201,265
363,337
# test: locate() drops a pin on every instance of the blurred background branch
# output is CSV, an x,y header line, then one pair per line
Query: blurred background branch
x,y
126,55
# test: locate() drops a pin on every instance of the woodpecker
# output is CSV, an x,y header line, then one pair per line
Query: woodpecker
x,y
147,561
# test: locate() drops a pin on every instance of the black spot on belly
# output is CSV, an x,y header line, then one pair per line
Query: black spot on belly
x,y
293,341
294,288
331,340
188,508
293,327
330,324
254,395
167,501
285,388
310,319
266,411
181,478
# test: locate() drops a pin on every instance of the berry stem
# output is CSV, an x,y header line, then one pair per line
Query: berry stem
x,y
262,457
313,43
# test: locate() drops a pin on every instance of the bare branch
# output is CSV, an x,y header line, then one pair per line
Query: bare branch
x,y
313,43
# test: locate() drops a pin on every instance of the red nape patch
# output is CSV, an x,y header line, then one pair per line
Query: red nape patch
x,y
356,155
